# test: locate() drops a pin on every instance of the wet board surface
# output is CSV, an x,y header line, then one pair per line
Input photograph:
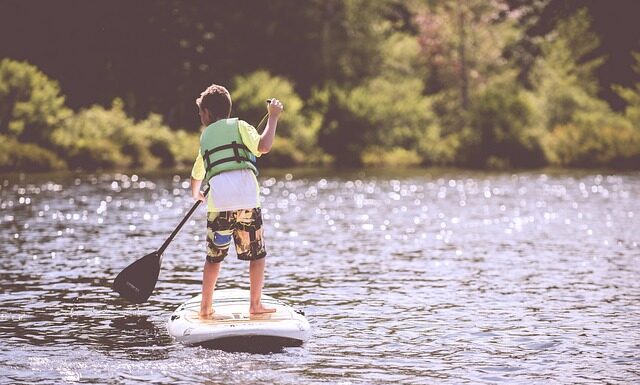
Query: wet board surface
x,y
232,324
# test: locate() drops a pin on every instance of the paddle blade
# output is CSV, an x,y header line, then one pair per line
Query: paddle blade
x,y
137,281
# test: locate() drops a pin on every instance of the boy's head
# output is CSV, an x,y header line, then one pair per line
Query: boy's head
x,y
214,103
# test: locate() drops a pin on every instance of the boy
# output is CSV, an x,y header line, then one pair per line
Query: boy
x,y
228,148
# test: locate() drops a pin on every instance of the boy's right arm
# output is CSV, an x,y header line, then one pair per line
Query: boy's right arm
x,y
197,175
266,139
195,190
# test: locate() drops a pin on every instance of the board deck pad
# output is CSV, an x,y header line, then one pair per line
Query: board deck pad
x,y
233,326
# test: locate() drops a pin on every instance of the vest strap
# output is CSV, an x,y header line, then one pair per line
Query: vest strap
x,y
235,146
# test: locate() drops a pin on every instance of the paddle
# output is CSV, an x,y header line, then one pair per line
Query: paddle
x,y
136,282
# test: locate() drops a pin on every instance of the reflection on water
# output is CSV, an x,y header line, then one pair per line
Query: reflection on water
x,y
412,278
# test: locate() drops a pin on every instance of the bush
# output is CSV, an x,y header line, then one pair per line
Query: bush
x,y
94,139
395,157
97,138
184,147
31,106
579,128
298,128
592,146
587,133
632,97
250,92
151,142
385,113
16,156
388,113
501,116
283,153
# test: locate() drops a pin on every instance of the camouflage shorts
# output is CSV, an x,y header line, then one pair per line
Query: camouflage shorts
x,y
244,226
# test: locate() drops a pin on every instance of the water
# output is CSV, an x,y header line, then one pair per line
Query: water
x,y
445,277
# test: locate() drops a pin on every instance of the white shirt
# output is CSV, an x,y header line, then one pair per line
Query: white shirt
x,y
234,190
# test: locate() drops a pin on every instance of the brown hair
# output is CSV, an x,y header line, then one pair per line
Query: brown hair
x,y
217,100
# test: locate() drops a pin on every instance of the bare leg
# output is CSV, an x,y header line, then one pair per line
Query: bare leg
x,y
256,277
209,278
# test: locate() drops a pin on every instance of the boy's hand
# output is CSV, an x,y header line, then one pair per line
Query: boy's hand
x,y
195,190
274,107
199,196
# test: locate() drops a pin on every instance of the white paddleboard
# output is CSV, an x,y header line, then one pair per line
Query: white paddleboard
x,y
231,326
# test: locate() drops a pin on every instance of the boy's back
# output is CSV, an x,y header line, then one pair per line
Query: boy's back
x,y
232,172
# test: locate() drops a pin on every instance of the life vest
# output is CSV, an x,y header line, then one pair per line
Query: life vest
x,y
222,149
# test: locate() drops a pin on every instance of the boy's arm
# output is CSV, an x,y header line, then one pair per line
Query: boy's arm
x,y
197,175
266,139
195,190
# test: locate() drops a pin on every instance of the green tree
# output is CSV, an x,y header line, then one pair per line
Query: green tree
x,y
17,156
31,105
297,130
100,138
93,138
463,43
477,100
385,119
632,96
580,129
562,77
502,116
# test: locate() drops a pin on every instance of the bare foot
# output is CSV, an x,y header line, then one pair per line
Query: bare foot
x,y
259,309
208,314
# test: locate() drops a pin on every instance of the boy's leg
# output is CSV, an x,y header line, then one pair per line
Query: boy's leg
x,y
256,278
209,278
248,237
219,238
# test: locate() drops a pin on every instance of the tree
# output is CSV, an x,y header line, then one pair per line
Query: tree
x,y
563,80
580,129
475,95
31,105
632,96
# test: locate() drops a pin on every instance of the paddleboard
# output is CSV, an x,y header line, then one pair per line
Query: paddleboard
x,y
231,327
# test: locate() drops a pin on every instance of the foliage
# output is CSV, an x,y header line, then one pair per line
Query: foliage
x,y
394,157
283,153
593,146
99,138
388,111
501,116
632,97
249,94
297,131
462,44
480,108
31,105
93,138
26,157
581,129
499,83
565,88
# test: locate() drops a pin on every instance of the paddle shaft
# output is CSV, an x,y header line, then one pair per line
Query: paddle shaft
x,y
184,220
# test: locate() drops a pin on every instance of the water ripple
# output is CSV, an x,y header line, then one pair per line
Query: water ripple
x,y
411,278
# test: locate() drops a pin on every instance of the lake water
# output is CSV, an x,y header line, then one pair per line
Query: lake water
x,y
416,277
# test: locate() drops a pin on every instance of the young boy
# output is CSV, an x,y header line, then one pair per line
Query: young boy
x,y
228,148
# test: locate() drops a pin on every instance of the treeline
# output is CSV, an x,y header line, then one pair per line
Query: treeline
x,y
384,83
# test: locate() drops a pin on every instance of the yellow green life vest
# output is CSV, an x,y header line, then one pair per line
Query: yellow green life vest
x,y
222,149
